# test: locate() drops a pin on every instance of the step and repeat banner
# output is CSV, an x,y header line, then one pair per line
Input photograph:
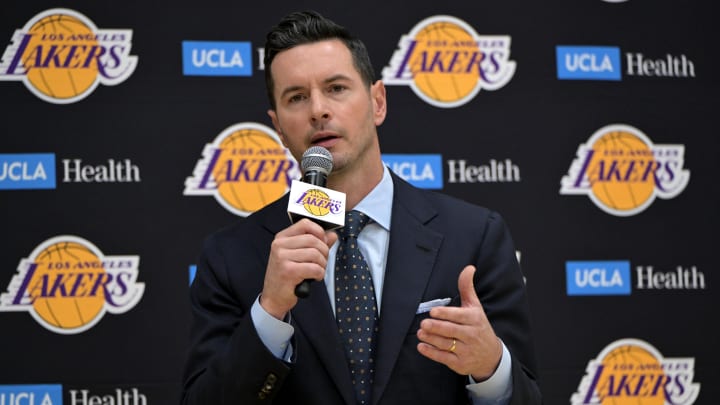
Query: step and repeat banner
x,y
129,131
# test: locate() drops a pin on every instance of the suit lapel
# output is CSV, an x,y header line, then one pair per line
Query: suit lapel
x,y
411,256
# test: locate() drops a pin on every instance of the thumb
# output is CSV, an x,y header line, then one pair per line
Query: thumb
x,y
330,238
468,296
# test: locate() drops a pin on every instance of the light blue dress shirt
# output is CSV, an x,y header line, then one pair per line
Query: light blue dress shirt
x,y
374,241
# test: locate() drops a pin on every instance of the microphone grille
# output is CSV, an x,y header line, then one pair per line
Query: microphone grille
x,y
317,157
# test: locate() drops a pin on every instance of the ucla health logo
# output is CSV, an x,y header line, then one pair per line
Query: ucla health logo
x,y
598,277
622,171
631,371
447,63
27,171
31,394
61,56
245,168
204,58
423,171
588,62
67,284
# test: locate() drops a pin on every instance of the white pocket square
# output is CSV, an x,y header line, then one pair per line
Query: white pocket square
x,y
428,305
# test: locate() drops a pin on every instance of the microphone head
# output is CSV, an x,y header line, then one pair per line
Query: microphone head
x,y
317,158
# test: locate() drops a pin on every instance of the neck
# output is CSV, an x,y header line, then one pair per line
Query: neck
x,y
356,184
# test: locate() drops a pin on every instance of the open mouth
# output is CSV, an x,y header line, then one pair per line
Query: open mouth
x,y
323,139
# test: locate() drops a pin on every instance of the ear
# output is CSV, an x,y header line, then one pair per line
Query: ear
x,y
276,123
379,101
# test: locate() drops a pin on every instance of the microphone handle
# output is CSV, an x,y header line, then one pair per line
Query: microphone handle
x,y
316,178
302,290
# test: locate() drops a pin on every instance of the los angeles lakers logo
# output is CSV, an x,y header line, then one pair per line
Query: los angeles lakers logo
x,y
622,171
67,284
447,63
632,372
62,57
245,168
319,203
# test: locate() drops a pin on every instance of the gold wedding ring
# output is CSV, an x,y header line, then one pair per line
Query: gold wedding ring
x,y
452,348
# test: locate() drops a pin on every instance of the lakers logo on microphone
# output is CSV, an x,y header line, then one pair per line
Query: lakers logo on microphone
x,y
245,168
622,171
67,284
318,203
447,63
61,56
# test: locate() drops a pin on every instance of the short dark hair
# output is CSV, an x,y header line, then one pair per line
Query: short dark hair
x,y
304,27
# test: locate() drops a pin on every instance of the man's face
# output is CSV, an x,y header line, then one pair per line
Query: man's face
x,y
321,100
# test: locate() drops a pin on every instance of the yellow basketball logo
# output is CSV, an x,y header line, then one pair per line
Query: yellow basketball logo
x,y
447,63
67,285
245,168
61,56
622,171
632,372
316,202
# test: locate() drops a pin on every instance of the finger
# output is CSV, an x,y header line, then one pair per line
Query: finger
x,y
288,244
441,342
299,271
441,356
439,328
303,226
308,255
468,296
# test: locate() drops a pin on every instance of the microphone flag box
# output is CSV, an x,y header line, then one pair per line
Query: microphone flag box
x,y
320,204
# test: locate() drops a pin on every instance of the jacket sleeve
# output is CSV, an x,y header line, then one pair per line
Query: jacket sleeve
x,y
227,362
501,288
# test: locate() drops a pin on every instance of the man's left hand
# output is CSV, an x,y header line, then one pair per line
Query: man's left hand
x,y
462,337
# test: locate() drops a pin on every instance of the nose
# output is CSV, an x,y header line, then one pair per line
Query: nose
x,y
319,108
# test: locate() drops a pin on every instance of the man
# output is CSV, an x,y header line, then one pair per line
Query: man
x,y
448,306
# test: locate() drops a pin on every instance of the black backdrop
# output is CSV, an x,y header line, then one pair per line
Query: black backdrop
x,y
160,120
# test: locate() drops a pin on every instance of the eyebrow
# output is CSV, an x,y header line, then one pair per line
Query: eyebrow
x,y
331,79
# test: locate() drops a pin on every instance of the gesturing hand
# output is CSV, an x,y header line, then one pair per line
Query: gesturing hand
x,y
461,337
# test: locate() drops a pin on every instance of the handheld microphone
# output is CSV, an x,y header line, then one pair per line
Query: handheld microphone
x,y
310,199
317,163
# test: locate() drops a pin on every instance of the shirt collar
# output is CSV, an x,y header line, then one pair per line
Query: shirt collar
x,y
375,204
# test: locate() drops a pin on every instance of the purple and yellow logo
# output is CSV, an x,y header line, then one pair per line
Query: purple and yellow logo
x,y
319,203
631,371
61,56
67,284
623,172
447,63
245,168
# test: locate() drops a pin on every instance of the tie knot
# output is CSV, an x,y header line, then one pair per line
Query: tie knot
x,y
355,221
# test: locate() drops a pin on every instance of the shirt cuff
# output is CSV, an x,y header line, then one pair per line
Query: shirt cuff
x,y
496,388
274,333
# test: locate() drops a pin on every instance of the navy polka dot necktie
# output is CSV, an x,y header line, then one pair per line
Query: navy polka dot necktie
x,y
355,307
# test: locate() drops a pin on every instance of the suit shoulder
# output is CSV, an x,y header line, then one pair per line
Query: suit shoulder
x,y
270,219
455,206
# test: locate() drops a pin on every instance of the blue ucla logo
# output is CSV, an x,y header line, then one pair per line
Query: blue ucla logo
x,y
48,394
27,171
598,277
423,171
588,62
203,58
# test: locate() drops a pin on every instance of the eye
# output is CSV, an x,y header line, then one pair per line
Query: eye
x,y
296,98
337,88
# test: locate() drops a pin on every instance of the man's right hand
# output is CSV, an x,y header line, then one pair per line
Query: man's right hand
x,y
298,252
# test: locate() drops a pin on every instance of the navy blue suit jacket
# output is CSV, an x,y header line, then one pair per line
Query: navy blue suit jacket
x,y
433,237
